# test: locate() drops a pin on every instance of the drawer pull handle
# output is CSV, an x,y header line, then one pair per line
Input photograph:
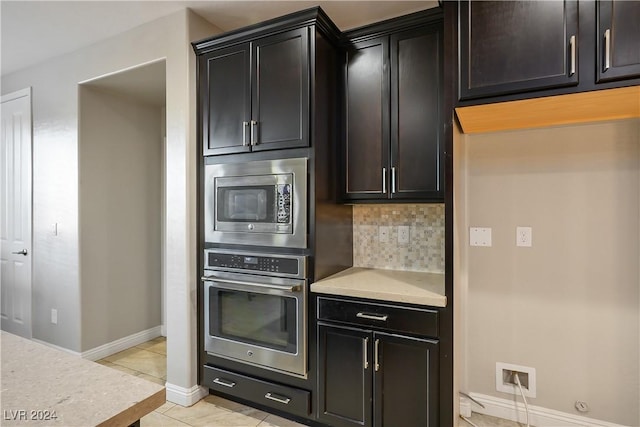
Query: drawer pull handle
x,y
382,318
225,383
280,399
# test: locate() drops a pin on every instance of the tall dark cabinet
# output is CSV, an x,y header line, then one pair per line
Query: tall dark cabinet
x,y
392,110
258,94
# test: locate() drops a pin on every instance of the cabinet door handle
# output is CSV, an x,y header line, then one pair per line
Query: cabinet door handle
x,y
254,126
278,398
376,365
224,382
365,356
384,180
382,318
393,179
572,47
607,49
244,133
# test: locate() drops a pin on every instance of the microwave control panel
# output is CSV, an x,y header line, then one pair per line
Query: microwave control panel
x,y
284,204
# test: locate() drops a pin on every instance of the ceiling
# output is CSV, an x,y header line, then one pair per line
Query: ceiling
x,y
34,31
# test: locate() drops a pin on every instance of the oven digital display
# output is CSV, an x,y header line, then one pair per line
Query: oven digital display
x,y
251,260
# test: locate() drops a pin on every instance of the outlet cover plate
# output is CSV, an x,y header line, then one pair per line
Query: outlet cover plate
x,y
511,388
479,236
403,234
524,237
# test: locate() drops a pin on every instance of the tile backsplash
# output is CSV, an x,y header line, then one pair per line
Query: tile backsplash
x,y
423,252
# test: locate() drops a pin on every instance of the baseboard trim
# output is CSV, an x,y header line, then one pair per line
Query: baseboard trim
x,y
57,347
185,396
113,347
538,416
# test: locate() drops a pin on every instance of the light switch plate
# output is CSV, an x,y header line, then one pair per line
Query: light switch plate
x,y
479,236
383,234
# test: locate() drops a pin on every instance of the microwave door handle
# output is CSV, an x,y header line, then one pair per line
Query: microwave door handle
x,y
253,285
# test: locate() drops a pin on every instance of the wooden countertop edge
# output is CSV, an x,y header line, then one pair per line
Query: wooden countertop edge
x,y
137,411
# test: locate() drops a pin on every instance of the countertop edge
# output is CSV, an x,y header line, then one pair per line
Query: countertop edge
x,y
137,411
430,301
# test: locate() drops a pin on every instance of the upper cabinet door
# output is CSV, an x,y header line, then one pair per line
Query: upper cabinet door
x,y
367,120
618,40
226,100
516,46
416,134
280,100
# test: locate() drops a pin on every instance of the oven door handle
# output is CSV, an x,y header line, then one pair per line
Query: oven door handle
x,y
287,288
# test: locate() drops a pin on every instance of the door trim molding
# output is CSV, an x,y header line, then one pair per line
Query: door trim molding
x,y
17,94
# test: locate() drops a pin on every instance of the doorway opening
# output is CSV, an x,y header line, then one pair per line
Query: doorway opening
x,y
121,199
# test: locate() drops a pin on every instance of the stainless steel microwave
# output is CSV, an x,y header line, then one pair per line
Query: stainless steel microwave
x,y
262,203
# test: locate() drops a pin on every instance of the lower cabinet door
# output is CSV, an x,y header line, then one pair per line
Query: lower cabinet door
x,y
345,382
405,381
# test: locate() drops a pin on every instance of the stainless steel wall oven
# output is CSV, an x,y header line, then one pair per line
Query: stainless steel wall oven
x,y
255,309
262,203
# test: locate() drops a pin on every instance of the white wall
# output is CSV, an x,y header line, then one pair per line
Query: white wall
x,y
56,267
570,305
120,215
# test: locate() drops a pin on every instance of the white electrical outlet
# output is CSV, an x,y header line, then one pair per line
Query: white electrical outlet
x,y
403,234
505,381
479,236
383,234
54,316
524,237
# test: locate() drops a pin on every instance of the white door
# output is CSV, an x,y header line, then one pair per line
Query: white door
x,y
15,214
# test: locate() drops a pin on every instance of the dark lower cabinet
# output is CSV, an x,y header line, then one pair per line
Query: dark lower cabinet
x,y
345,376
370,378
618,40
405,381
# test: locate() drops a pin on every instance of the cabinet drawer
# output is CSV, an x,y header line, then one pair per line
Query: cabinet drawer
x,y
288,399
380,316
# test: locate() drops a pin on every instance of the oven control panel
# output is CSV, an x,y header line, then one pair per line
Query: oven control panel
x,y
289,266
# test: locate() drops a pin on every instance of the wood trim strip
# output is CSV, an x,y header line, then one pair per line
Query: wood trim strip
x,y
134,413
586,107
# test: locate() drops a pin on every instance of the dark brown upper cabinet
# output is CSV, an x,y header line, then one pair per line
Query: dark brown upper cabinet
x,y
255,95
392,140
516,46
618,42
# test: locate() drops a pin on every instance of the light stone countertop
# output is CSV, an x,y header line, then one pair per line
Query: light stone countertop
x,y
386,285
38,381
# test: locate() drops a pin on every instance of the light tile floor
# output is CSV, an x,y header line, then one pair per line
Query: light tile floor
x,y
149,361
482,420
